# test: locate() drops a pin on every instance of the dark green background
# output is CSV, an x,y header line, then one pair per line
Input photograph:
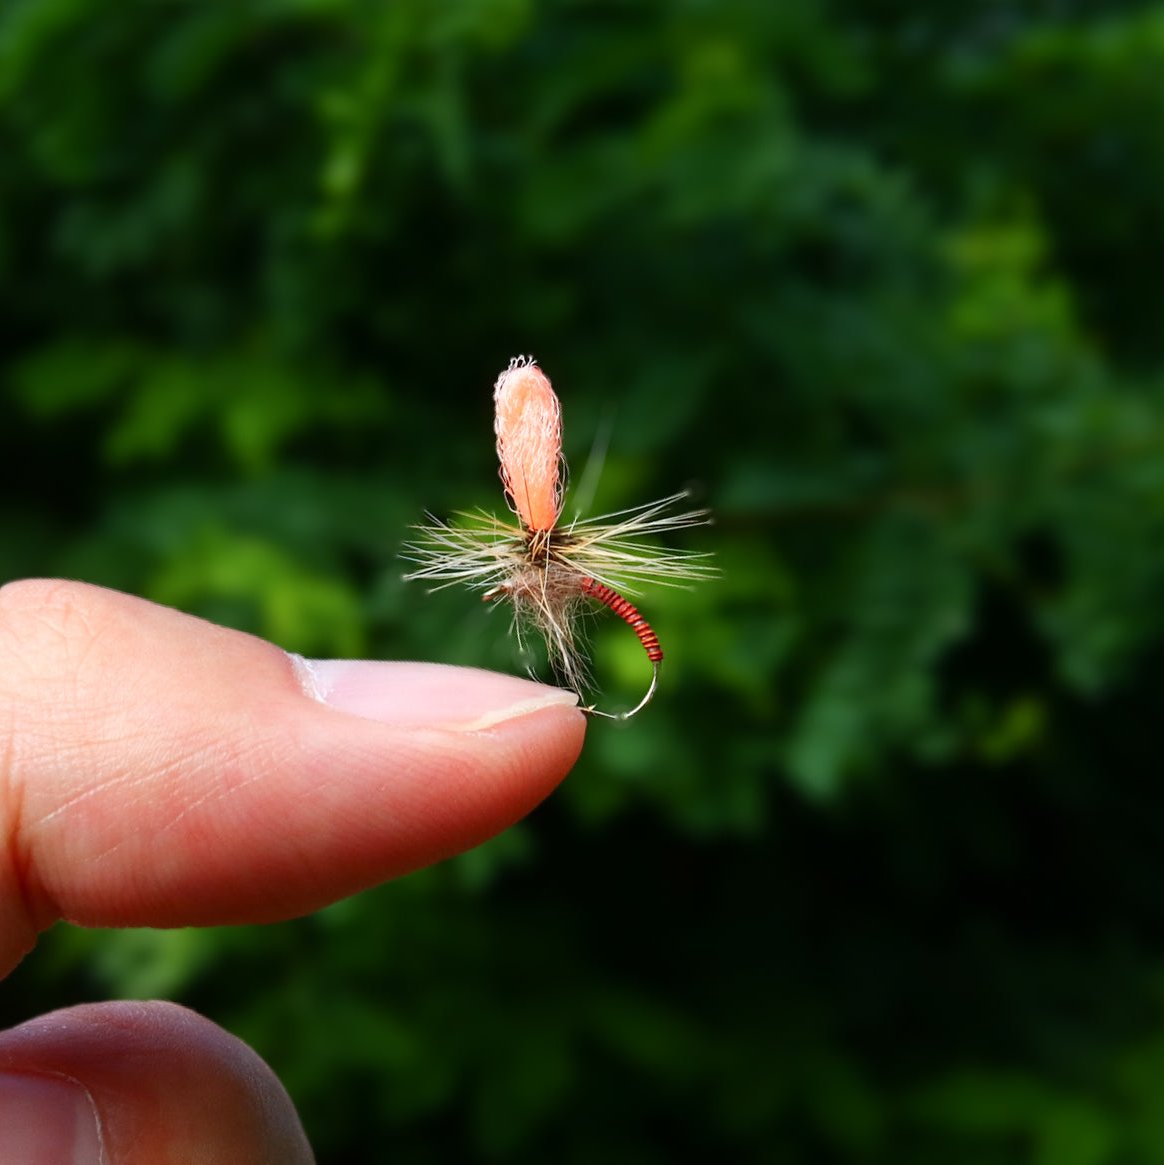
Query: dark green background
x,y
879,877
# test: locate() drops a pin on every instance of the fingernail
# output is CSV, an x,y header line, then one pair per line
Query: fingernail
x,y
47,1120
425,694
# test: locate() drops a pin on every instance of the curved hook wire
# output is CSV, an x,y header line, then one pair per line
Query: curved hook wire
x,y
591,710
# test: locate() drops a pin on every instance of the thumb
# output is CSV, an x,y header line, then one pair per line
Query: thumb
x,y
158,770
139,1084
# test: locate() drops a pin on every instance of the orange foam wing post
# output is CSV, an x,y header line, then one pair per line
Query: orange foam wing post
x,y
528,424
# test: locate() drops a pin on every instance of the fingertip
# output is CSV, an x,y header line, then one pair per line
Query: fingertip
x,y
437,758
472,751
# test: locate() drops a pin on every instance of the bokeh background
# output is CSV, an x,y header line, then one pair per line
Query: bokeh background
x,y
880,875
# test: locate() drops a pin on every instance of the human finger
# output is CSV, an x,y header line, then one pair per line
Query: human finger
x,y
156,769
139,1084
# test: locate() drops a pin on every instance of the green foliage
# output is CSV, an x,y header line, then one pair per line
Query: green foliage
x,y
875,877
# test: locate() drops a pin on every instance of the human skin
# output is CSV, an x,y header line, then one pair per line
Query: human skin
x,y
158,770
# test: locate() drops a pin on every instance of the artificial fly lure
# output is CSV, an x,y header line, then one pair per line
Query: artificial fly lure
x,y
549,573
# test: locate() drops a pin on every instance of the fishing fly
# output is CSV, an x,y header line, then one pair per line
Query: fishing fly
x,y
550,572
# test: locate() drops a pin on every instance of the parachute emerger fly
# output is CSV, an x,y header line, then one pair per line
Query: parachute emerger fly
x,y
550,572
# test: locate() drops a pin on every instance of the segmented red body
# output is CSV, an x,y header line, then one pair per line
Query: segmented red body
x,y
626,611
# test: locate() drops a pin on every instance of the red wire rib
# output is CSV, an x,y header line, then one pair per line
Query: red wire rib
x,y
626,611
